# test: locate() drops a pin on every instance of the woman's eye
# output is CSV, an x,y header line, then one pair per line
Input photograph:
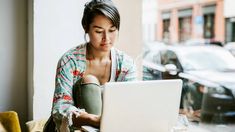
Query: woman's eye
x,y
112,30
98,31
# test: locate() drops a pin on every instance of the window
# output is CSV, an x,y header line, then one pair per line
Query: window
x,y
209,18
209,26
185,24
230,30
166,31
185,28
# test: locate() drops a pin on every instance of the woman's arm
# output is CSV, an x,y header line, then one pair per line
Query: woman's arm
x,y
126,68
86,119
63,103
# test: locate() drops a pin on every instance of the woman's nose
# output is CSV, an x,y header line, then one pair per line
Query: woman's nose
x,y
105,37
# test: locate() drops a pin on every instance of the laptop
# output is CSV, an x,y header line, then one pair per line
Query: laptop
x,y
140,106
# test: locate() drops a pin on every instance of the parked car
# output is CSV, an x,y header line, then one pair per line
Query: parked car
x,y
230,47
192,42
208,74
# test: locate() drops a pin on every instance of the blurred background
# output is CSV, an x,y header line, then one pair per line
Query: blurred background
x,y
193,40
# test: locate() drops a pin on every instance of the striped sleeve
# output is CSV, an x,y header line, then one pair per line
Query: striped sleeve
x,y
126,69
63,104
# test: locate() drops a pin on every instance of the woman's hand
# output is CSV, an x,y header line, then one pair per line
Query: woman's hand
x,y
86,119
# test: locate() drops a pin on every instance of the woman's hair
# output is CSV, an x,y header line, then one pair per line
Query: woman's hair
x,y
100,7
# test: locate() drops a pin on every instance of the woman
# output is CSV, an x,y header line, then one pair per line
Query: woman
x,y
83,70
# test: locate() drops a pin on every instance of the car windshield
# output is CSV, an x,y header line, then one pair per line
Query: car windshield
x,y
212,59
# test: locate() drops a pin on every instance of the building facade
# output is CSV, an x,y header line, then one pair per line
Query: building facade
x,y
182,20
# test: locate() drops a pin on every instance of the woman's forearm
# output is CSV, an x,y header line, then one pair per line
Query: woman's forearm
x,y
86,119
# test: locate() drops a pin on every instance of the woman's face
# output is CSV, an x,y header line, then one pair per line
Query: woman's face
x,y
102,33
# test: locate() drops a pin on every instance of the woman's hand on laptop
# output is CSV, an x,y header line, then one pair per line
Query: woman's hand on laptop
x,y
85,118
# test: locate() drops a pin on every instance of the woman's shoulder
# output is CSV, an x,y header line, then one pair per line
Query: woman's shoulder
x,y
77,50
76,53
123,60
122,56
126,68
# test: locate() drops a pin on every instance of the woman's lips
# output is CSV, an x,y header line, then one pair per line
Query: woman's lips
x,y
103,44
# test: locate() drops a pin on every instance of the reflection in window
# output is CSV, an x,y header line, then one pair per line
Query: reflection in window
x,y
185,28
209,26
166,31
185,24
230,29
209,18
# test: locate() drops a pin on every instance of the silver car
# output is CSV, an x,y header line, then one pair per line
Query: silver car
x,y
208,73
230,47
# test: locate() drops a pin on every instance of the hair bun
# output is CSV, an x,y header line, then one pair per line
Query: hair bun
x,y
100,7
